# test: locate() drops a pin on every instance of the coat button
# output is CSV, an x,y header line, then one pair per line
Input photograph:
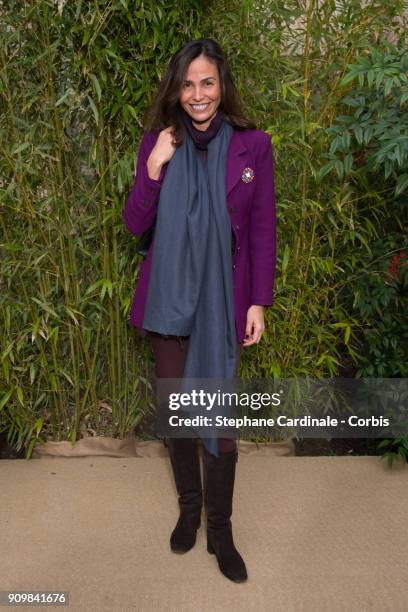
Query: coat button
x,y
234,266
238,248
237,227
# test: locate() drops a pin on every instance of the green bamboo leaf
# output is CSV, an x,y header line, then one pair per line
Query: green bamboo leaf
x,y
64,97
94,286
349,77
334,145
276,369
115,109
119,182
33,442
53,335
29,104
96,86
156,37
402,452
33,372
132,111
11,247
388,86
5,398
350,101
39,425
106,286
20,395
22,147
71,312
285,257
402,184
379,79
94,109
347,334
53,381
370,77
69,379
383,443
46,307
358,132
368,132
344,144
8,351
136,420
332,220
78,9
38,259
86,37
112,53
363,241
331,241
404,98
398,155
293,91
6,370
339,168
348,163
326,169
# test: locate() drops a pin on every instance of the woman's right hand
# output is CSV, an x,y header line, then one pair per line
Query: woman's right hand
x,y
161,153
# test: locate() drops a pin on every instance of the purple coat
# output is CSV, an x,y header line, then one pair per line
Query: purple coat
x,y
251,206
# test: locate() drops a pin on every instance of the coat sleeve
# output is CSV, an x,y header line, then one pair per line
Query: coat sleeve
x,y
262,228
141,203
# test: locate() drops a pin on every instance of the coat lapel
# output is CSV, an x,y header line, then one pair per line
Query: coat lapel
x,y
236,160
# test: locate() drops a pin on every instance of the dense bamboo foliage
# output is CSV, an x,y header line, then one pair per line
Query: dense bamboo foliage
x,y
75,80
291,66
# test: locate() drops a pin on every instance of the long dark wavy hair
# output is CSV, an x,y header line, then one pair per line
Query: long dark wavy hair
x,y
166,110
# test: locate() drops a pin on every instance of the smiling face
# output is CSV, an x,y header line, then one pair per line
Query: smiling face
x,y
201,92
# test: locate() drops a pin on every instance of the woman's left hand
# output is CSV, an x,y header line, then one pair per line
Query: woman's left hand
x,y
255,325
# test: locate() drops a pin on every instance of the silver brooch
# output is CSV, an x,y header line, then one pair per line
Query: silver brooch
x,y
248,175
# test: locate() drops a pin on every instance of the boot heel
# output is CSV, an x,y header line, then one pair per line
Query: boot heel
x,y
210,548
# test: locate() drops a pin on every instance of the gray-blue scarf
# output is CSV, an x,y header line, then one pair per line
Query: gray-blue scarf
x,y
190,289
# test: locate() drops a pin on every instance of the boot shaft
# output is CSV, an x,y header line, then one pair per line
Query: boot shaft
x,y
185,463
219,481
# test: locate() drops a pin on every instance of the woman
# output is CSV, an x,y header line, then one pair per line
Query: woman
x,y
204,177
